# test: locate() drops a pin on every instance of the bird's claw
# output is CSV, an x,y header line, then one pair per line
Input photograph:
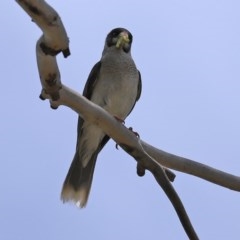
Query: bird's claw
x,y
131,129
135,133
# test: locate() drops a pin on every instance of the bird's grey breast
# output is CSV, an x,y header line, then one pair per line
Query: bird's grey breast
x,y
116,88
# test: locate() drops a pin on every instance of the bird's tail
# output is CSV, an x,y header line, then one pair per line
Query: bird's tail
x,y
77,184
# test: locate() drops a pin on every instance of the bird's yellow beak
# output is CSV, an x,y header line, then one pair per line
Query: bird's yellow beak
x,y
122,39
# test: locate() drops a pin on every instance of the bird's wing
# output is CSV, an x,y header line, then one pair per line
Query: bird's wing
x,y
91,81
87,92
139,86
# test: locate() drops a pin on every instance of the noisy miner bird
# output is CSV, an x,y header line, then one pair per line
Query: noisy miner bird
x,y
114,83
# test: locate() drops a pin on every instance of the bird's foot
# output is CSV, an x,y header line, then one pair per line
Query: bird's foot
x,y
135,133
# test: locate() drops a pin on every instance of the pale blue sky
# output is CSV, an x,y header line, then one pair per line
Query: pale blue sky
x,y
189,55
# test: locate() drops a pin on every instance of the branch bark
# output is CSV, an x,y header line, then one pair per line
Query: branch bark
x,y
55,40
194,168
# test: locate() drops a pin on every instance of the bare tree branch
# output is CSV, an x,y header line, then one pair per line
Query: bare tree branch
x,y
197,169
129,142
55,40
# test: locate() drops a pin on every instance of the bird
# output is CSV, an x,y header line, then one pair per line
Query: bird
x,y
114,84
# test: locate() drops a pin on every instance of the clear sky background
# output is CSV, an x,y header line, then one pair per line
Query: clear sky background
x,y
189,55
